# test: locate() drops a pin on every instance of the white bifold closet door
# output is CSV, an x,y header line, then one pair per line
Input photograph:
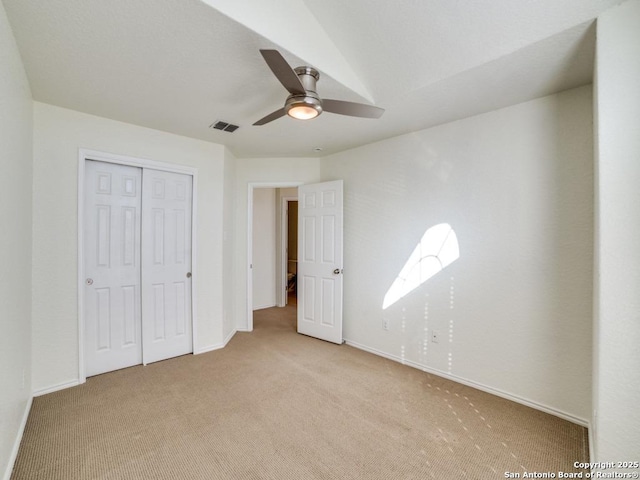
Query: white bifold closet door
x,y
137,262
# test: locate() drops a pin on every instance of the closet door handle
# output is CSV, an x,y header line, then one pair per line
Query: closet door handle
x,y
188,274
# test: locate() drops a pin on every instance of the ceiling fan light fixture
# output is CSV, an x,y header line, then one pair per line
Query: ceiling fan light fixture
x,y
303,107
303,103
302,112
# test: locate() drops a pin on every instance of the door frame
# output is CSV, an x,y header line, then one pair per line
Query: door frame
x,y
83,156
250,188
284,246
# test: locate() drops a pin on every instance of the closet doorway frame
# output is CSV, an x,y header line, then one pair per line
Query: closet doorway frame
x,y
85,155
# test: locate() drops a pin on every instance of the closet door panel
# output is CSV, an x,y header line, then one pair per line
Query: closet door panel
x,y
166,265
111,237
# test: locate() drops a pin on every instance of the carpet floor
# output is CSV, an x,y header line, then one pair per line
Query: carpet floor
x,y
277,405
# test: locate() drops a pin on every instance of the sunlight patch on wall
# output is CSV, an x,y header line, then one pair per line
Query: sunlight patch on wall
x,y
437,249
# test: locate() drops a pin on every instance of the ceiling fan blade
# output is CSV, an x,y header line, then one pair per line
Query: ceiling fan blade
x,y
283,71
351,108
272,116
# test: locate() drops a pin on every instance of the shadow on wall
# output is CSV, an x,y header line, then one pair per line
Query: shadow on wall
x,y
437,249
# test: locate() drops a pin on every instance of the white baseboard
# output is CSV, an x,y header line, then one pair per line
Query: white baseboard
x,y
217,346
262,307
55,388
494,391
208,348
229,337
16,444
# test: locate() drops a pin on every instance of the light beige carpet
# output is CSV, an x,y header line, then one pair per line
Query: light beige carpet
x,y
277,405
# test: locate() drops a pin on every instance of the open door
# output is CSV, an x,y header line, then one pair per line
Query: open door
x,y
320,260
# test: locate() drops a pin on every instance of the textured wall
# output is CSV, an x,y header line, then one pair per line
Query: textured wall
x,y
616,417
264,248
15,243
513,313
228,242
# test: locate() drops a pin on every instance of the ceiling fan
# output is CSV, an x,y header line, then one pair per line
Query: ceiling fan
x,y
304,103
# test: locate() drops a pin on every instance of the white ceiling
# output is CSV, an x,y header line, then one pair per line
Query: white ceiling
x,y
180,65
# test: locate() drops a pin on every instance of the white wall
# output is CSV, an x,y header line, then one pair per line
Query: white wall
x,y
16,129
264,248
616,418
269,172
514,312
228,243
58,134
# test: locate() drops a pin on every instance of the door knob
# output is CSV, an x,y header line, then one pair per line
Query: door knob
x,y
188,274
337,271
89,281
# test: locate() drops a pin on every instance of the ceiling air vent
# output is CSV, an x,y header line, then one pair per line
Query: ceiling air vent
x,y
224,126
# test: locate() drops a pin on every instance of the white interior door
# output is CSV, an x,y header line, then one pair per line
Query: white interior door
x,y
166,265
112,267
320,260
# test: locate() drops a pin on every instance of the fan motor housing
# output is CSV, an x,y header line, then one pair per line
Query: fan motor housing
x,y
309,104
308,76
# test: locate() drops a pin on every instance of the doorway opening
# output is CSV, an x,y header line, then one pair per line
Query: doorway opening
x,y
267,243
318,268
291,249
274,266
